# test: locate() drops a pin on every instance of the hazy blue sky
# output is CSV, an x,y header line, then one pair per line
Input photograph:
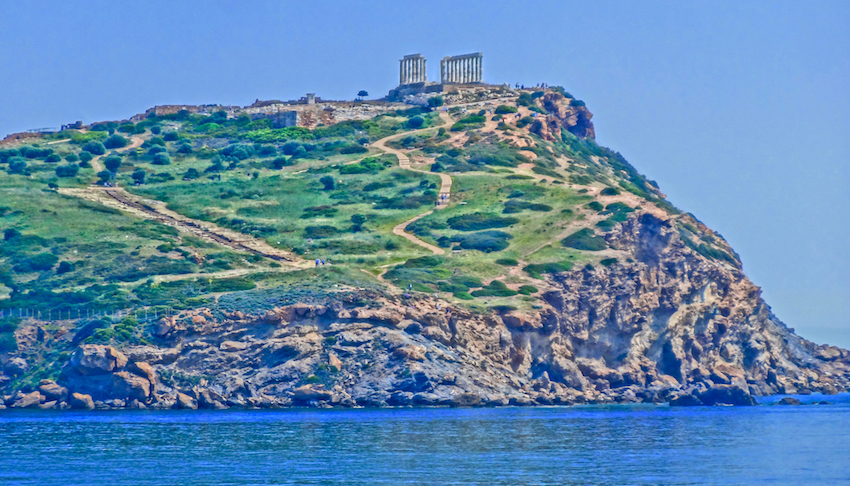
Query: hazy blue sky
x,y
740,110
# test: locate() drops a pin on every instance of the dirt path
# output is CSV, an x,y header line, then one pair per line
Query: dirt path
x,y
135,142
404,163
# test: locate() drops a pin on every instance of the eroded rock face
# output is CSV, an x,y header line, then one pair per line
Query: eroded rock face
x,y
94,359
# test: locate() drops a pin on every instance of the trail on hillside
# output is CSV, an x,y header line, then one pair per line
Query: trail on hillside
x,y
135,142
404,163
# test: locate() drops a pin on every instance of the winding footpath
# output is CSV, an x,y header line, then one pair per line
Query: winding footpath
x,y
404,163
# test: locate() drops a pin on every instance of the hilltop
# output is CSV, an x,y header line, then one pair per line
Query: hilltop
x,y
479,249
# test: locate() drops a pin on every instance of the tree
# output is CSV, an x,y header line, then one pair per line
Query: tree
x,y
104,176
52,186
94,147
357,221
72,157
170,136
279,163
184,149
139,176
64,267
435,101
17,165
328,182
115,141
191,174
53,158
85,158
112,163
362,94
11,234
415,122
156,129
161,159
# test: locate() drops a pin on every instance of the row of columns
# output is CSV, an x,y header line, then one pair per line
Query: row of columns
x,y
412,70
462,69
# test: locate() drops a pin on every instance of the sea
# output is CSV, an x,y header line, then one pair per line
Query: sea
x,y
595,445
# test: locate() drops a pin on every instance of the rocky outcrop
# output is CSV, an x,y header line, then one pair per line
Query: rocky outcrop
x,y
563,114
663,324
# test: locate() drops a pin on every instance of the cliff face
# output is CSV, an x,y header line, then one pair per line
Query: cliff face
x,y
666,325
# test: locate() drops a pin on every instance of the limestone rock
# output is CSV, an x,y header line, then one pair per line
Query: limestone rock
x,y
95,359
309,392
186,402
81,401
129,386
334,361
16,367
48,405
52,391
29,400
140,368
789,401
233,346
412,353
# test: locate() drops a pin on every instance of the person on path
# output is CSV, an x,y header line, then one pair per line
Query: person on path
x,y
317,262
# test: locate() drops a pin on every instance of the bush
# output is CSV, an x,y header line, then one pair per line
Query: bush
x,y
280,163
169,136
423,262
72,158
609,191
240,151
317,232
369,165
479,221
191,174
112,163
518,206
353,149
184,149
139,176
161,159
508,262
608,262
52,158
594,206
17,165
576,103
94,147
538,269
156,129
64,267
485,241
435,101
496,288
585,239
505,109
32,152
156,149
36,263
415,122
115,142
328,182
85,157
67,170
528,290
465,281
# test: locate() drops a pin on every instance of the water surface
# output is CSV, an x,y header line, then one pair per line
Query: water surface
x,y
635,444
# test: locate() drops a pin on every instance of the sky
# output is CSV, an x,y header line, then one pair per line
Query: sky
x,y
739,110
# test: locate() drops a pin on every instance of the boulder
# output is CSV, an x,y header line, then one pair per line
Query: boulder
x,y
52,391
81,401
140,368
334,361
131,387
95,359
28,400
186,402
309,392
412,353
466,399
199,320
16,367
686,400
789,401
48,405
716,395
164,327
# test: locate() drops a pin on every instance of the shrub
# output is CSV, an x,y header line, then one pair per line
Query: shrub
x,y
156,149
139,176
67,170
161,159
64,267
191,174
528,290
518,206
479,221
115,142
609,191
538,269
423,262
239,151
36,263
584,239
85,157
505,109
594,206
608,262
317,232
52,158
435,101
466,281
369,165
72,158
94,147
415,122
496,288
463,296
353,149
32,152
576,103
508,262
485,241
357,222
328,182
112,163
169,136
156,129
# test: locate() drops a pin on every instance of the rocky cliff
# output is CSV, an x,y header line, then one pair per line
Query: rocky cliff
x,y
668,324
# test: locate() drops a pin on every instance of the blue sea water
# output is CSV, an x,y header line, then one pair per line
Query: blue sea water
x,y
622,444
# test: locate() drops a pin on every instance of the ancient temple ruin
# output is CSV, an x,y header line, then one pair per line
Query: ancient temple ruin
x,y
463,69
412,70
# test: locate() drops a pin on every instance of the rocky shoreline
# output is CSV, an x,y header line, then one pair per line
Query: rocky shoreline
x,y
668,326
